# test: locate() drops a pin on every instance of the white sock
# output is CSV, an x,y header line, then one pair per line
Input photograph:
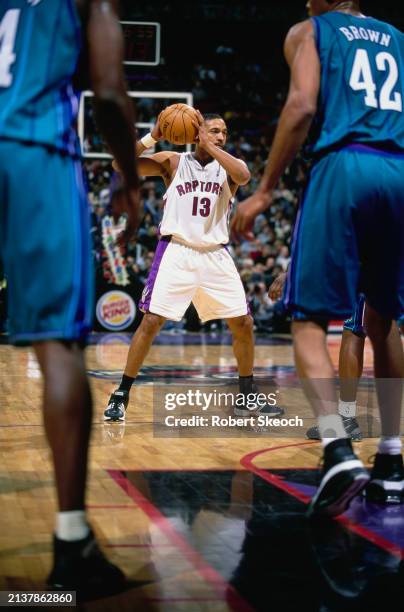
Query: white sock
x,y
390,445
331,428
71,525
347,409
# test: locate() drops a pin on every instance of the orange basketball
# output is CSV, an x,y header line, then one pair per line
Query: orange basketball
x,y
176,124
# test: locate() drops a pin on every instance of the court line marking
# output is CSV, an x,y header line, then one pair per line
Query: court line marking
x,y
364,532
223,589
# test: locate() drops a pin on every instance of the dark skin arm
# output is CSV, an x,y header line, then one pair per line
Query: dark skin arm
x,y
114,109
276,289
294,123
163,163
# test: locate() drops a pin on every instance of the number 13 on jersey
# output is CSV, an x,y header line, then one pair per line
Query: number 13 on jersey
x,y
201,206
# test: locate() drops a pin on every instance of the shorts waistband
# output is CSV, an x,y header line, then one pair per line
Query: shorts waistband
x,y
358,147
201,249
362,148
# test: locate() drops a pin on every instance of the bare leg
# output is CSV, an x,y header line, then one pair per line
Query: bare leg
x,y
386,485
243,349
138,350
141,343
314,366
343,474
350,365
67,409
243,343
389,369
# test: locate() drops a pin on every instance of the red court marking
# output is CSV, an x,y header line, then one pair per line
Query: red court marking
x,y
373,537
222,588
277,481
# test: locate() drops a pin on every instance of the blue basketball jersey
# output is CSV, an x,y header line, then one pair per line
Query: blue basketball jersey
x,y
362,84
40,42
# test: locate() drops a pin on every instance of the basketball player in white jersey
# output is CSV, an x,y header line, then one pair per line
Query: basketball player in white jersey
x,y
192,263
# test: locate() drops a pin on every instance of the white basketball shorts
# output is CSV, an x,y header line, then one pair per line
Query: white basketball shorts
x,y
182,274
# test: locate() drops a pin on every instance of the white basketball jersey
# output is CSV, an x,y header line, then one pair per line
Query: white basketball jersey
x,y
197,203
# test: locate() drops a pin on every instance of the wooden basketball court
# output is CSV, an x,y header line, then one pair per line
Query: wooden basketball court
x,y
198,523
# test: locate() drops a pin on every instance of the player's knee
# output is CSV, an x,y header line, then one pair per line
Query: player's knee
x,y
312,325
377,326
151,324
378,329
57,357
242,326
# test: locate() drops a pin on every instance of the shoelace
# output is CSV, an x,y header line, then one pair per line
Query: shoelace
x,y
114,404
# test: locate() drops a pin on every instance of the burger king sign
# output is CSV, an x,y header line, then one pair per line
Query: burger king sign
x,y
116,310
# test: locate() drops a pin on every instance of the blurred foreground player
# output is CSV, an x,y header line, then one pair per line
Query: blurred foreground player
x,y
350,368
191,261
350,363
346,84
44,234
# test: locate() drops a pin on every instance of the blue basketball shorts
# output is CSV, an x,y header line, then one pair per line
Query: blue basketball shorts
x,y
355,324
45,244
348,237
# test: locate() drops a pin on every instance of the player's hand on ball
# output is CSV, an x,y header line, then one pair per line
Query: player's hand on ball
x,y
242,222
156,131
276,289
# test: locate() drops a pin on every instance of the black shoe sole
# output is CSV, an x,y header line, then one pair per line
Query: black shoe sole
x,y
348,488
108,419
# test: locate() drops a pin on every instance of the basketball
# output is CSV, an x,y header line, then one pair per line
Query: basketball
x,y
176,124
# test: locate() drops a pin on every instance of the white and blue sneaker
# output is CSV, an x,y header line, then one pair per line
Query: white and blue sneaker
x,y
117,405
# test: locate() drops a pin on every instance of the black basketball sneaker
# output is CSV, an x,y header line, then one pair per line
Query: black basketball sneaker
x,y
81,566
117,405
343,477
386,484
251,407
